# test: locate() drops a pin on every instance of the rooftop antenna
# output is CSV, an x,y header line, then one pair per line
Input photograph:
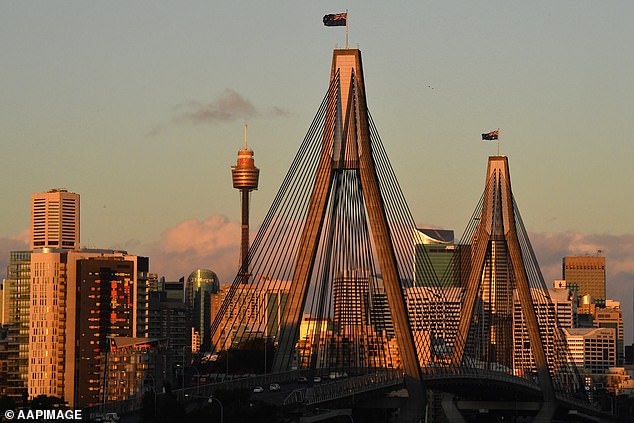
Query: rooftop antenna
x,y
246,126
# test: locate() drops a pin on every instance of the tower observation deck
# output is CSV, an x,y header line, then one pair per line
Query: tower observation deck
x,y
245,179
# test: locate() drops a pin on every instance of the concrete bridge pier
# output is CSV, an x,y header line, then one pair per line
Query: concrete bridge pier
x,y
413,410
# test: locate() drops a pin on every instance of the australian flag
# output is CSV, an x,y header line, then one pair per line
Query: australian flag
x,y
336,20
491,136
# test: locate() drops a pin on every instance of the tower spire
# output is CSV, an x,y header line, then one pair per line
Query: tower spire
x,y
246,126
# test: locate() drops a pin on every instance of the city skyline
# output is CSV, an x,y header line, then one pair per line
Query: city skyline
x,y
149,101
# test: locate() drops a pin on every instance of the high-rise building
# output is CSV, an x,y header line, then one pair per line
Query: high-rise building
x,y
105,309
201,285
379,308
437,245
48,329
593,350
350,297
252,309
611,316
17,310
55,220
60,322
586,275
170,319
555,312
434,313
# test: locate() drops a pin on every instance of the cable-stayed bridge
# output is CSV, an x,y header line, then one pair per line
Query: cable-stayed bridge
x,y
333,287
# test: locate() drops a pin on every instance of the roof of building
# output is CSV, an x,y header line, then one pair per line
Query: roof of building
x,y
128,341
436,236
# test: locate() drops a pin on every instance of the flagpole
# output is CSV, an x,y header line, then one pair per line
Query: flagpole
x,y
346,29
498,141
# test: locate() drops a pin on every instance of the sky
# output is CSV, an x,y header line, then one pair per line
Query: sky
x,y
139,106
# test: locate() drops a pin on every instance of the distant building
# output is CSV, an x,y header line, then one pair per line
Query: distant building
x,y
102,282
134,366
553,313
611,316
586,275
4,359
592,350
170,319
17,317
607,314
174,289
379,309
252,309
434,315
629,354
55,220
438,246
201,285
350,302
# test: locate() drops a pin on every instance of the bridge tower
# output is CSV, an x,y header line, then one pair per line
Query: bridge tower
x,y
497,266
346,146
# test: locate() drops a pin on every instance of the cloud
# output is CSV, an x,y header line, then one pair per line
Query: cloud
x,y
229,106
213,243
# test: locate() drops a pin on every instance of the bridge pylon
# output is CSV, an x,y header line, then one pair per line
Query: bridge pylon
x,y
346,147
496,269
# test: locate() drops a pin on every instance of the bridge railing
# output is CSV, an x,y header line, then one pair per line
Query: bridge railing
x,y
480,373
352,386
244,382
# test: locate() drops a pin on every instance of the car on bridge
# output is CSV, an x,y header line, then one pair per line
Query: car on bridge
x,y
274,387
258,389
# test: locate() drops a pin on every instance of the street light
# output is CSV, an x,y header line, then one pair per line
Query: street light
x,y
211,400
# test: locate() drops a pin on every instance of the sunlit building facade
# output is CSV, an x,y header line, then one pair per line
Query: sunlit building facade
x,y
201,285
592,350
55,220
60,316
586,275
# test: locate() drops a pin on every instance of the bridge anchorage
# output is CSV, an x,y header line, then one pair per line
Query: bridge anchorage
x,y
338,301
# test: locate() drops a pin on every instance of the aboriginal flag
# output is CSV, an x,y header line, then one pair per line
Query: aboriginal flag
x,y
491,136
336,20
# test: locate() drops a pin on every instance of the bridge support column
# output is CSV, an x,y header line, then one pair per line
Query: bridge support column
x,y
413,410
546,412
449,408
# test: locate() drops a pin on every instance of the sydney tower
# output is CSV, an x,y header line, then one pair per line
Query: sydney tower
x,y
245,178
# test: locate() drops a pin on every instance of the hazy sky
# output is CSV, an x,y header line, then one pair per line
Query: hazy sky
x,y
139,106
